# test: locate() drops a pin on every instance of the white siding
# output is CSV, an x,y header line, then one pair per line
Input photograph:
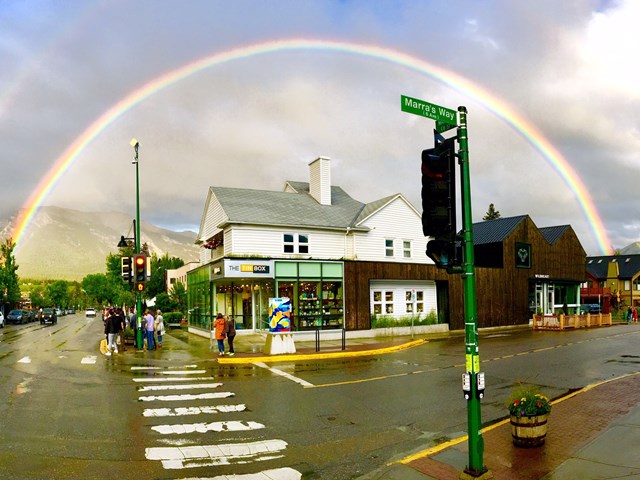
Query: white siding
x,y
398,222
320,180
268,242
214,216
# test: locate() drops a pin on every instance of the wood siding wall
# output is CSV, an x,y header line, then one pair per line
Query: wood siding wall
x,y
502,293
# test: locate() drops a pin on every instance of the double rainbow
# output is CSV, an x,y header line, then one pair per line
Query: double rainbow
x,y
522,126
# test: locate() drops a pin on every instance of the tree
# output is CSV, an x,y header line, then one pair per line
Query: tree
x,y
492,213
58,293
178,295
8,273
159,266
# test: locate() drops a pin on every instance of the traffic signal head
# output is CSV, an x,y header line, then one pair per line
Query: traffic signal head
x,y
444,253
126,268
140,271
439,190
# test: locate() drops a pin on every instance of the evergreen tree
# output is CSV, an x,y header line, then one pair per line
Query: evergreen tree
x,y
492,213
10,288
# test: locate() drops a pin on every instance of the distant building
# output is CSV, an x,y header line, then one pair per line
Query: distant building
x,y
613,281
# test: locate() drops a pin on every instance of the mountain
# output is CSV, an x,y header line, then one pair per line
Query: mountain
x,y
67,244
632,249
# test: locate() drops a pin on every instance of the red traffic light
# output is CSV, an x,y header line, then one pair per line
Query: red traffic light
x,y
139,261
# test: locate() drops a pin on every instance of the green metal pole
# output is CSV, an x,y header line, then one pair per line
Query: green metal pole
x,y
476,466
139,343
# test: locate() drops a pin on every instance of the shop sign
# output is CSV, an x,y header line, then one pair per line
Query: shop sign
x,y
248,268
280,314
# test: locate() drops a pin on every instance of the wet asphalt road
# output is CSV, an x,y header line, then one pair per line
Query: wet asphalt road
x,y
68,412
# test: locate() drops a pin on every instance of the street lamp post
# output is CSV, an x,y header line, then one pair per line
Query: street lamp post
x,y
135,144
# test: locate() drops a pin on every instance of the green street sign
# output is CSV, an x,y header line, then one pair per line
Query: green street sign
x,y
443,116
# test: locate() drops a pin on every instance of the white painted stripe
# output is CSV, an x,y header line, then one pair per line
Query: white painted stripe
x,y
285,375
183,372
187,396
182,411
160,368
212,455
25,360
179,387
229,426
88,360
275,474
168,379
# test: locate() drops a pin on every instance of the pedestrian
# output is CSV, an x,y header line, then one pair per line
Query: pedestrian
x,y
231,333
629,314
110,329
634,315
220,327
159,327
133,322
119,325
150,330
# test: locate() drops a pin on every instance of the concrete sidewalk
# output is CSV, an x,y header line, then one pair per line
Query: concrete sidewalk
x,y
593,433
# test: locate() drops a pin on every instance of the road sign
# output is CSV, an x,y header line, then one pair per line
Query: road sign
x,y
440,114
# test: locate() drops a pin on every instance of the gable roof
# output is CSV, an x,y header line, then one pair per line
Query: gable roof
x,y
495,231
628,265
553,234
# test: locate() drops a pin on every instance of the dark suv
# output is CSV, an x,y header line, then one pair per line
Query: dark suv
x,y
48,315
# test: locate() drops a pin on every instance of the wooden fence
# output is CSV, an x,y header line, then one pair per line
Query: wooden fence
x,y
562,322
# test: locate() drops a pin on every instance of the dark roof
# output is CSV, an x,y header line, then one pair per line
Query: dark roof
x,y
553,234
628,265
495,231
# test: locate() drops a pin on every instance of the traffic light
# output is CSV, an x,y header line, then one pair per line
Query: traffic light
x,y
439,189
140,271
126,268
445,253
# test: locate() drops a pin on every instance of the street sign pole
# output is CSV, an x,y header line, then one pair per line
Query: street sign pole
x,y
476,467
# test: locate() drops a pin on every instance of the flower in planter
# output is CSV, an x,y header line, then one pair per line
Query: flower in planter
x,y
527,401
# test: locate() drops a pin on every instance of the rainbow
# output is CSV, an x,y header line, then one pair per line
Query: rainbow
x,y
492,103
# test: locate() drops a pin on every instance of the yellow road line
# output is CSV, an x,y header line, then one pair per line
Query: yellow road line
x,y
320,356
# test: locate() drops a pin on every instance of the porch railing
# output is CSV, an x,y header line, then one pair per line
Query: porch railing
x,y
563,322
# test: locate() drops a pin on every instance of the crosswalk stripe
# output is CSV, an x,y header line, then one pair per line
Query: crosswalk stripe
x,y
167,379
188,396
182,411
228,426
274,474
212,455
189,386
89,360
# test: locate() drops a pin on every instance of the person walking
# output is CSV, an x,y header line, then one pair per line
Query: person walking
x,y
231,333
110,329
220,327
159,327
150,330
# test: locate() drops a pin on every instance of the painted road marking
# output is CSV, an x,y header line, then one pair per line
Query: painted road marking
x,y
167,379
188,396
212,455
182,372
25,360
189,386
229,426
160,368
304,383
89,360
181,411
275,474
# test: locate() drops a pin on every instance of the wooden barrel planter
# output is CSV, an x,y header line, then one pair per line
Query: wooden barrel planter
x,y
529,431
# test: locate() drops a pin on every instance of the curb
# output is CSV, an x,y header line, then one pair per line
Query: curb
x,y
320,356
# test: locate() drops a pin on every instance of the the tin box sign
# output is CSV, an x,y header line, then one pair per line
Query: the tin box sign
x,y
248,268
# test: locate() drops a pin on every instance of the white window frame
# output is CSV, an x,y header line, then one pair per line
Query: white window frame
x,y
406,248
299,243
388,248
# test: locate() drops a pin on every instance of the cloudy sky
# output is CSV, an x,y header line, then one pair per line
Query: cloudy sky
x,y
569,69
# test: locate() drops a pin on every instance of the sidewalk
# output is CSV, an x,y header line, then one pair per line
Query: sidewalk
x,y
593,433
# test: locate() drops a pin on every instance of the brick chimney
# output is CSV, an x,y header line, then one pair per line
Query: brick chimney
x,y
320,180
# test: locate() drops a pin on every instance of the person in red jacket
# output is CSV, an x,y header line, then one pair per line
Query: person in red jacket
x,y
220,329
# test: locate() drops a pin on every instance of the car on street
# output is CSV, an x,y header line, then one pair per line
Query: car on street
x,y
48,315
90,312
592,308
18,317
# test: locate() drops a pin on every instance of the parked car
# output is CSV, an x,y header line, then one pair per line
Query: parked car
x,y
592,308
48,315
18,316
90,312
1,320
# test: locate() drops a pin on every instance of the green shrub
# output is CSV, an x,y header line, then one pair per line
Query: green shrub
x,y
389,321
